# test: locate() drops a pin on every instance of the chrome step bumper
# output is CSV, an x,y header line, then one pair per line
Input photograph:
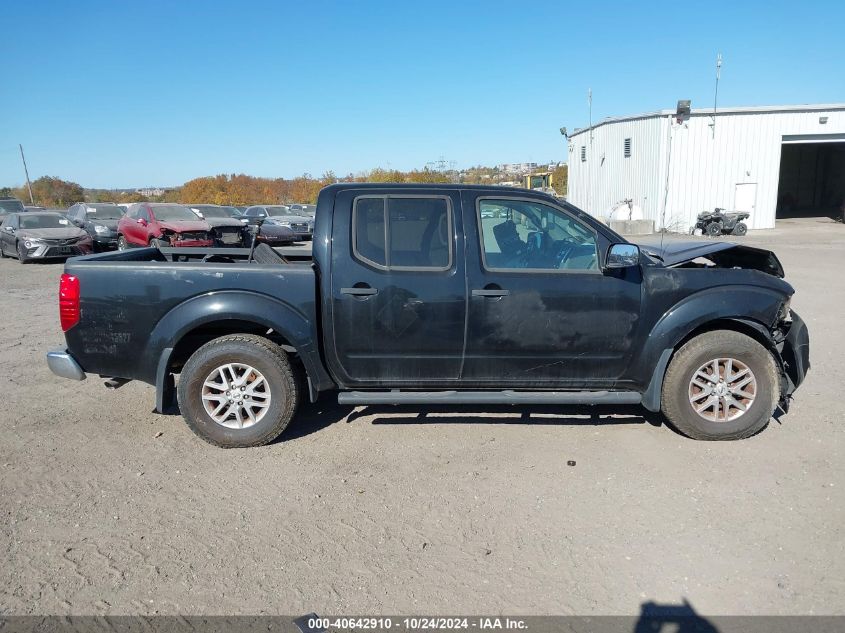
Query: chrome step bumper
x,y
63,364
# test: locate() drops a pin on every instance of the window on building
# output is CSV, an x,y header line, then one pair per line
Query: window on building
x,y
403,233
627,148
583,153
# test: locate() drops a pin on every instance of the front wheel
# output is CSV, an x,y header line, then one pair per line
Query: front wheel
x,y
714,229
22,258
721,385
238,391
740,229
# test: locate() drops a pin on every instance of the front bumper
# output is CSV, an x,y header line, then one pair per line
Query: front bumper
x,y
105,240
47,250
191,243
795,354
63,364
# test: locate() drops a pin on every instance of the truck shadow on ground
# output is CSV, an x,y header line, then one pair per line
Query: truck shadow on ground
x,y
677,618
313,417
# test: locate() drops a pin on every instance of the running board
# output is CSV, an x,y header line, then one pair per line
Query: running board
x,y
488,397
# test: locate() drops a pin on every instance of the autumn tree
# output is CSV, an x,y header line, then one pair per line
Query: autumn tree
x,y
560,179
55,192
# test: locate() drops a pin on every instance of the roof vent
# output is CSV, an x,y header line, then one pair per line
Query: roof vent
x,y
627,148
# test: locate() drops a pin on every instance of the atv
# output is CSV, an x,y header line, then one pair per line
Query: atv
x,y
717,222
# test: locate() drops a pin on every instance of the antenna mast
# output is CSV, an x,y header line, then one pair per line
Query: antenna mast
x,y
716,92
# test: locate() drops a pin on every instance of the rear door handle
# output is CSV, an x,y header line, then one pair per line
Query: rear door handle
x,y
359,292
501,292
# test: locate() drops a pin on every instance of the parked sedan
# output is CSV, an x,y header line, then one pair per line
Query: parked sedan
x,y
99,219
272,234
41,235
227,225
162,224
10,205
281,215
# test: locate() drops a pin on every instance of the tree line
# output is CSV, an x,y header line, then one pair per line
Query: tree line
x,y
240,189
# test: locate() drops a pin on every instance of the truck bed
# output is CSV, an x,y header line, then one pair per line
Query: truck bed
x,y
136,304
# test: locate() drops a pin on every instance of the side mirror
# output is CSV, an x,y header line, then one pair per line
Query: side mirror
x,y
622,256
141,221
10,229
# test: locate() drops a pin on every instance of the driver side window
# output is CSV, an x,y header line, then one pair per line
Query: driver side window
x,y
524,235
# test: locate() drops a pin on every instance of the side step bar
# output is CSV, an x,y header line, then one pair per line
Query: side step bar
x,y
397,396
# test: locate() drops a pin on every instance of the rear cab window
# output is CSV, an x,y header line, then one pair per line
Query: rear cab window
x,y
403,232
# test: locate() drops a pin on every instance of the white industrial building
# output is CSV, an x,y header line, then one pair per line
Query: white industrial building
x,y
773,161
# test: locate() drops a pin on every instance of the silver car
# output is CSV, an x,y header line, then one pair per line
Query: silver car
x,y
281,215
42,235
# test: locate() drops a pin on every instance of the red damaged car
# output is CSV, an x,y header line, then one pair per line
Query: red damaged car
x,y
162,224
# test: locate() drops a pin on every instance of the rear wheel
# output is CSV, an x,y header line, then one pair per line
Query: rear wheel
x,y
741,228
121,243
238,391
721,385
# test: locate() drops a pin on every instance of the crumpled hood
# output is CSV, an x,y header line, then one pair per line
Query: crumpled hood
x,y
674,251
182,226
52,234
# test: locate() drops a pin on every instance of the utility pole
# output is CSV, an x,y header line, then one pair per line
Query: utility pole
x,y
26,171
590,157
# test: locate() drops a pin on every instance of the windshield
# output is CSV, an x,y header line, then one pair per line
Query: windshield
x,y
105,211
217,212
33,221
278,211
11,206
174,213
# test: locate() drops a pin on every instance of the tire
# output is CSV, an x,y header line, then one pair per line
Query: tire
x,y
678,389
122,244
261,356
714,229
740,229
22,258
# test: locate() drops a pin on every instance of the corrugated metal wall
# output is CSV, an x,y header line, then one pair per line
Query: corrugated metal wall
x,y
703,168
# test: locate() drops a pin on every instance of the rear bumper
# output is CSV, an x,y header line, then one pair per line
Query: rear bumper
x,y
795,353
63,364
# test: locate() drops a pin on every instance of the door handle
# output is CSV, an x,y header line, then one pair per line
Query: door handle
x,y
359,292
489,292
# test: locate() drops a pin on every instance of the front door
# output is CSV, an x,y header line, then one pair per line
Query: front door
x,y
398,291
542,313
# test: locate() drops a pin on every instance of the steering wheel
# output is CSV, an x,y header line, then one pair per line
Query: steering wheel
x,y
564,250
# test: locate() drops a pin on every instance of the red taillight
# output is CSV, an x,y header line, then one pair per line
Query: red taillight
x,y
68,301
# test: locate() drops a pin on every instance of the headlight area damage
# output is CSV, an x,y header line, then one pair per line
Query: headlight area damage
x,y
675,253
788,334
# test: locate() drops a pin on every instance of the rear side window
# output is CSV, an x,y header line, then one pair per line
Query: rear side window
x,y
403,233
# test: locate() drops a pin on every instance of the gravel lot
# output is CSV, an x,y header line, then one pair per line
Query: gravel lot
x,y
108,508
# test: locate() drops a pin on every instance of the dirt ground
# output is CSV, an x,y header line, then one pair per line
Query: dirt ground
x,y
108,508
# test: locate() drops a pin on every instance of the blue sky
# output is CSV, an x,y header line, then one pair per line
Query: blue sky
x,y
120,94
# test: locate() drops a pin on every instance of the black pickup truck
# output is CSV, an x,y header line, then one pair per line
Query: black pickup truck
x,y
419,294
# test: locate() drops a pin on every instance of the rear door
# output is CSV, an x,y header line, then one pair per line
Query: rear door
x,y
398,291
542,314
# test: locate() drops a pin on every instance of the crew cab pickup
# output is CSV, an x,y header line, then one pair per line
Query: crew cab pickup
x,y
447,294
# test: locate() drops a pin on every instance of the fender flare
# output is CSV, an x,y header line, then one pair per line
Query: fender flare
x,y
238,305
751,307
